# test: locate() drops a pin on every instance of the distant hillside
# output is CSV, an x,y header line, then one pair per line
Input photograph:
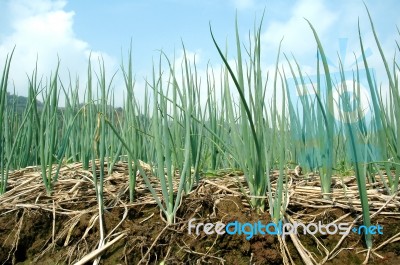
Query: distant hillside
x,y
20,102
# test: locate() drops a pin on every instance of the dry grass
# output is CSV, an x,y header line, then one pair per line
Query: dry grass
x,y
74,195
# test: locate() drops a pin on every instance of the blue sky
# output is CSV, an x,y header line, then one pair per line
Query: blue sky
x,y
72,29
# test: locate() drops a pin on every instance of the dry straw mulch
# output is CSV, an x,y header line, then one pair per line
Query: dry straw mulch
x,y
74,195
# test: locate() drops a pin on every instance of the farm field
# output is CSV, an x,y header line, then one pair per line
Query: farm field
x,y
167,180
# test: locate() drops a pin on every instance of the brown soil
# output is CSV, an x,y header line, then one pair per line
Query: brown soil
x,y
63,233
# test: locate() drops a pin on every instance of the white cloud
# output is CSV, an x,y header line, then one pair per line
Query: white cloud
x,y
42,30
244,4
298,37
336,28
